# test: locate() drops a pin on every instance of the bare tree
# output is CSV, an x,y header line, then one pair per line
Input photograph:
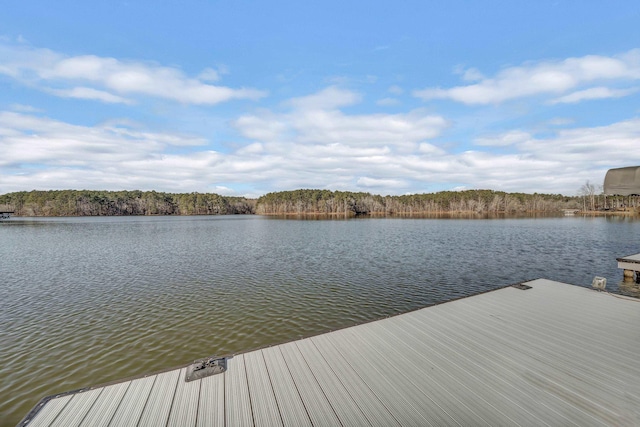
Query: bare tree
x,y
588,192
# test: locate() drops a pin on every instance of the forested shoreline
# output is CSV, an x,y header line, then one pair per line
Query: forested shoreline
x,y
122,203
296,202
469,201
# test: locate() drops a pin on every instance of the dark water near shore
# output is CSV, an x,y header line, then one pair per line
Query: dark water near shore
x,y
91,300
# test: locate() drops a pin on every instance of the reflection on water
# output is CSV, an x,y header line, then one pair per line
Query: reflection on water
x,y
90,300
629,288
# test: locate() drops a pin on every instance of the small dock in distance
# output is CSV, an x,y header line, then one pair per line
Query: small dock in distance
x,y
541,353
631,266
5,214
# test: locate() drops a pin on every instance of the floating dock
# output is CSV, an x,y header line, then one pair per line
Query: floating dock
x,y
539,354
631,266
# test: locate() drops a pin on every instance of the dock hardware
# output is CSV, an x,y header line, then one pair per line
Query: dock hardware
x,y
205,368
521,286
599,283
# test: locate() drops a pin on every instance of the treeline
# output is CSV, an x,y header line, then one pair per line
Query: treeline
x,y
112,203
120,203
470,201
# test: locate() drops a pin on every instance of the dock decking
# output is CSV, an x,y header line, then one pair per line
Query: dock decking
x,y
555,354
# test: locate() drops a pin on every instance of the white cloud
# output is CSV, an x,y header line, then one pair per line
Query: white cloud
x,y
395,90
472,75
387,102
262,127
560,121
108,79
329,98
213,75
380,183
337,152
468,74
593,93
398,130
559,163
315,119
31,140
504,139
426,148
22,108
614,144
549,77
90,93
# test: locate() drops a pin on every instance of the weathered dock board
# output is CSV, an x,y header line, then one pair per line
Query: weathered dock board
x,y
555,355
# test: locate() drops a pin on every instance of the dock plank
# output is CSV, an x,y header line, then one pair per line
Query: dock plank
x,y
156,411
211,405
263,399
403,378
292,408
378,378
372,406
462,403
238,410
103,409
184,410
133,402
318,407
77,409
344,405
51,410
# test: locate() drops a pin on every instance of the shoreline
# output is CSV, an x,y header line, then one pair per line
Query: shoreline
x,y
351,214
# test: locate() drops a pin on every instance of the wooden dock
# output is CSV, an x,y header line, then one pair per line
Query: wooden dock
x,y
551,355
631,266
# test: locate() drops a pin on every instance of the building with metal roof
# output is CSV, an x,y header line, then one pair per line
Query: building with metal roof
x,y
622,181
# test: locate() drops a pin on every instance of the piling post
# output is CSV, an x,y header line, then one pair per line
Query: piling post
x,y
629,275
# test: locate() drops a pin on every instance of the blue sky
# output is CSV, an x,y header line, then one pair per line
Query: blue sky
x,y
247,97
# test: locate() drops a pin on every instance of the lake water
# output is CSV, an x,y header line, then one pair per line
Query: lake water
x,y
85,301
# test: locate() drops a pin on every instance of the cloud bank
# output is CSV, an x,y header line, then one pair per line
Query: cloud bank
x,y
543,78
334,138
311,144
112,80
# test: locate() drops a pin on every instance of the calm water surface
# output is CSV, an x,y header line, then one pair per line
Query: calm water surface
x,y
90,300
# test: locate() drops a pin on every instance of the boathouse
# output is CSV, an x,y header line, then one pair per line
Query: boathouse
x,y
624,185
622,181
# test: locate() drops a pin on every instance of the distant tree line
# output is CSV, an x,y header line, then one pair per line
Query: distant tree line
x,y
119,203
111,203
470,201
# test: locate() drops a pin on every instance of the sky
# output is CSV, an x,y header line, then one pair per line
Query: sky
x,y
243,98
